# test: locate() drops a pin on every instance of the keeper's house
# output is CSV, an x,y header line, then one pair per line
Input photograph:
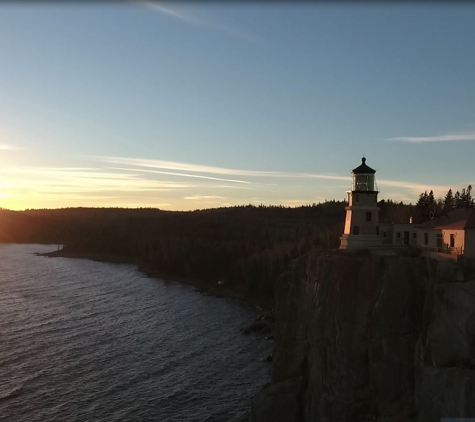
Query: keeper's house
x,y
452,232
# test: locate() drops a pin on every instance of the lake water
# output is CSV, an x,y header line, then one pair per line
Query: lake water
x,y
89,341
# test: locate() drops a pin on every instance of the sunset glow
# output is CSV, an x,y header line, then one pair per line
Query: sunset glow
x,y
201,106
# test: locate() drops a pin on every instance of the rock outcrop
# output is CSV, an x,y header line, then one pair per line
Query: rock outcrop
x,y
372,338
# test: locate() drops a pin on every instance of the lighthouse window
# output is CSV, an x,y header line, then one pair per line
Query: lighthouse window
x,y
368,216
357,198
363,182
356,230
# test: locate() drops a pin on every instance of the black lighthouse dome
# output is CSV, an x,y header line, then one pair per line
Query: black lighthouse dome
x,y
363,168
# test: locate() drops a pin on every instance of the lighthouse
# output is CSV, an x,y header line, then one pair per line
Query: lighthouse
x,y
362,213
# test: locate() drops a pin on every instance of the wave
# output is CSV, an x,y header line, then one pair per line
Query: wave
x,y
95,342
15,392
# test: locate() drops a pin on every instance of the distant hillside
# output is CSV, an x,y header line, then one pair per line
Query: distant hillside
x,y
247,247
58,225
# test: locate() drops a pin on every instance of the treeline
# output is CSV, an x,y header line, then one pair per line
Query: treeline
x,y
427,203
247,247
395,212
399,212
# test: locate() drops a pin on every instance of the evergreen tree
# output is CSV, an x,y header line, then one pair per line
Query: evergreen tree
x,y
427,203
422,207
421,203
457,199
439,204
431,205
466,197
449,202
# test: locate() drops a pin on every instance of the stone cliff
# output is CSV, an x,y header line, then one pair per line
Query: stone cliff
x,y
363,337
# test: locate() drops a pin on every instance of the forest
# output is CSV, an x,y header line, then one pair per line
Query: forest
x,y
427,203
244,247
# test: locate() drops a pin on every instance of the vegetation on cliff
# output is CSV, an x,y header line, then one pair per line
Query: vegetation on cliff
x,y
245,247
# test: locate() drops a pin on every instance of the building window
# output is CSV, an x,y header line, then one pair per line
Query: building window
x,y
357,198
398,235
384,234
368,216
426,238
414,235
377,231
439,240
356,230
452,240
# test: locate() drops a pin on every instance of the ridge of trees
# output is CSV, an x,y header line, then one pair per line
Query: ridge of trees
x,y
245,246
248,247
427,203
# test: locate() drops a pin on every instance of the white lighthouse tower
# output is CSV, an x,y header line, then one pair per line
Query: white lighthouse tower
x,y
362,213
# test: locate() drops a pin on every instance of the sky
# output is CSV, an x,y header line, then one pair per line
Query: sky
x,y
182,106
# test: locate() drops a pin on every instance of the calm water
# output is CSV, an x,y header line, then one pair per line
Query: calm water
x,y
88,341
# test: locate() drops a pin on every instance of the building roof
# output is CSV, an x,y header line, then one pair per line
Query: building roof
x,y
456,219
363,168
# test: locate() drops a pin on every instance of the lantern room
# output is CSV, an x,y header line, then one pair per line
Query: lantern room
x,y
363,179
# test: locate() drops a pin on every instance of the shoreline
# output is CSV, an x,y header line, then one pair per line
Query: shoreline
x,y
203,287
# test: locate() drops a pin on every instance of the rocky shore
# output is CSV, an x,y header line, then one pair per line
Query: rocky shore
x,y
213,288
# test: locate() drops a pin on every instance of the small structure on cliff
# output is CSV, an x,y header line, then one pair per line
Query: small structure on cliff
x,y
362,212
451,233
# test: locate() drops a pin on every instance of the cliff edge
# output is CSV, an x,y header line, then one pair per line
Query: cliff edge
x,y
363,337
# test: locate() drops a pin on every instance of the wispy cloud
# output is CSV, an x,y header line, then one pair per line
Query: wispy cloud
x,y
416,188
190,170
193,20
173,165
113,186
79,180
7,147
138,165
180,174
465,136
199,197
198,168
159,8
157,182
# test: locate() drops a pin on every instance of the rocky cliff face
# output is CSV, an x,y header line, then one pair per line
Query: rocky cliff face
x,y
372,338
